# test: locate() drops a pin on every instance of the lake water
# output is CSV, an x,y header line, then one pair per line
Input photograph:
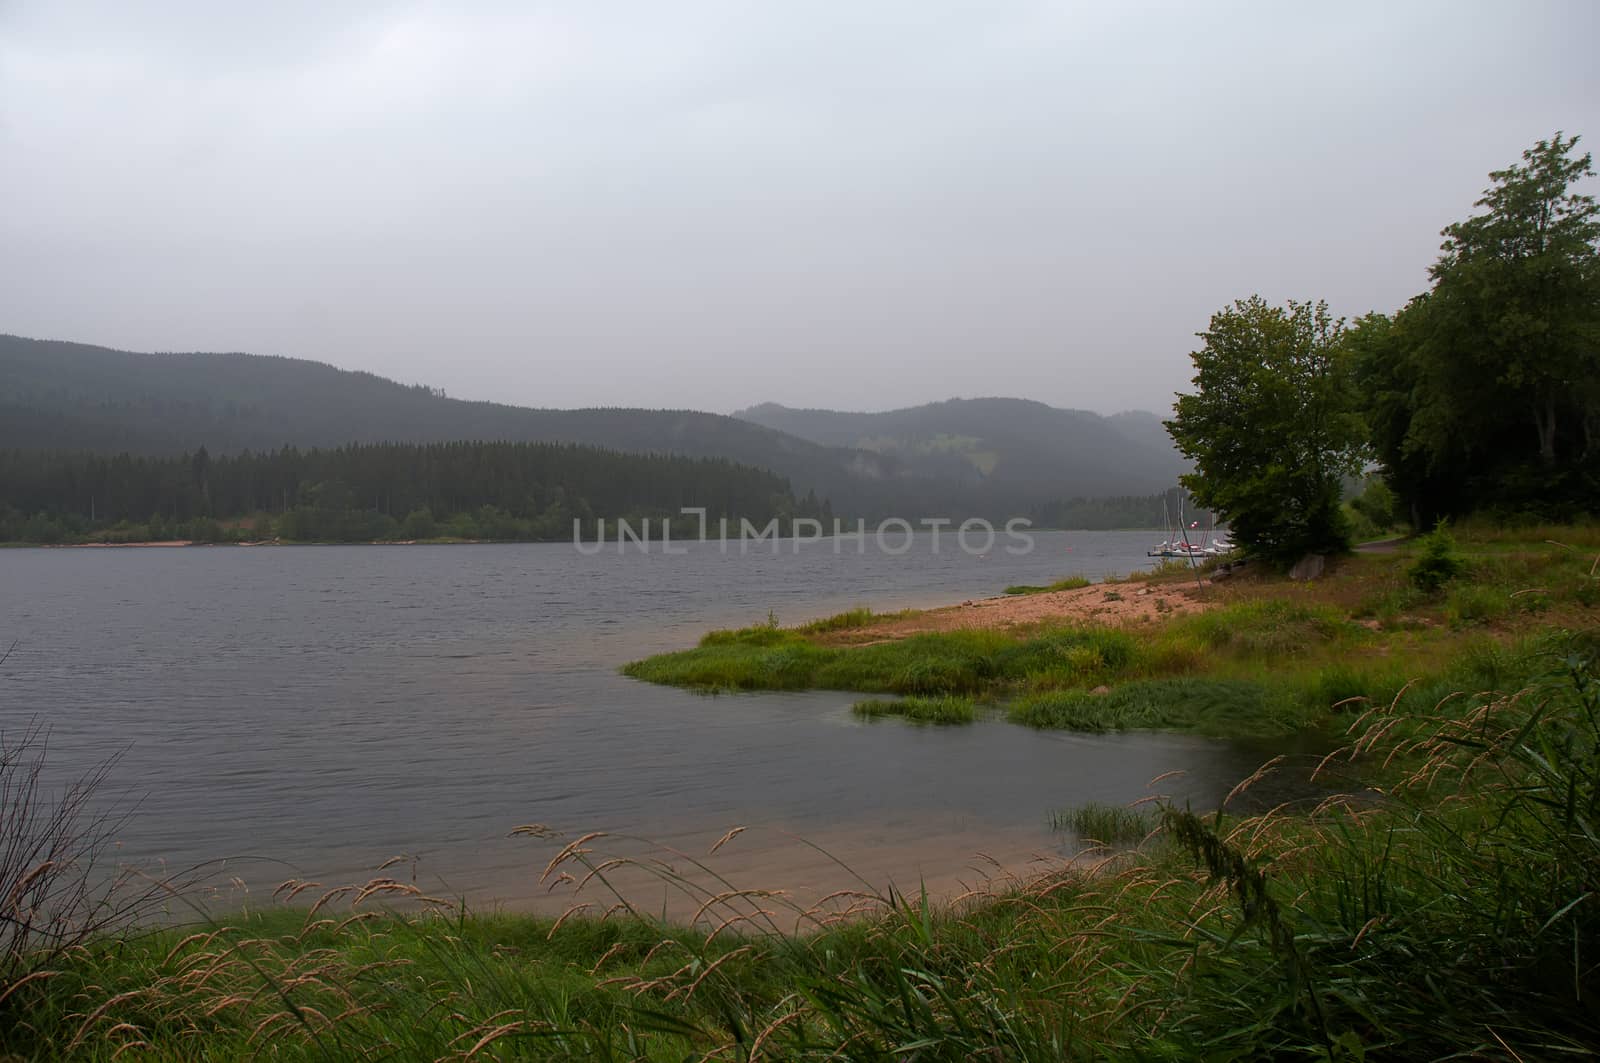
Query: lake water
x,y
313,711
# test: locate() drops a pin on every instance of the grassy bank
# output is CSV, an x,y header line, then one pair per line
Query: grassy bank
x,y
1267,657
1448,911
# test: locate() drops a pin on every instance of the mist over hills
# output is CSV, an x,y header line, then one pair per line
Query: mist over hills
x,y
1011,446
995,457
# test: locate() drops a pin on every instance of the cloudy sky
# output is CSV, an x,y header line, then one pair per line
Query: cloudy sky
x,y
848,203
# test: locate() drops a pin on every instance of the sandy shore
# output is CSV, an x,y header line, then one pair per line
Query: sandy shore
x,y
1119,604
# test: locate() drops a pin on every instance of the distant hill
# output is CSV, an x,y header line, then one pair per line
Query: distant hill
x,y
992,457
1014,449
58,395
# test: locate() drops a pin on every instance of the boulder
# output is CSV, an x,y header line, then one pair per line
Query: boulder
x,y
1309,567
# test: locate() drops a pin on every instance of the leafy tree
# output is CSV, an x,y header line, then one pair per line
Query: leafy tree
x,y
1515,290
1484,392
1272,428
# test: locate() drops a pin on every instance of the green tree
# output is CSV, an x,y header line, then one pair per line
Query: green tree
x,y
1272,427
1484,393
1515,294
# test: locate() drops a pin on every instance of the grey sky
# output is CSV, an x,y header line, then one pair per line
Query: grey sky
x,y
837,203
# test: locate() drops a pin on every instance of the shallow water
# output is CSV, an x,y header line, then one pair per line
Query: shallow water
x,y
314,711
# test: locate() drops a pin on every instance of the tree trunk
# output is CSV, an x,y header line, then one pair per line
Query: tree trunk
x,y
1544,422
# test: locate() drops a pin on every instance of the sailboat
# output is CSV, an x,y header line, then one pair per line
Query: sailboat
x,y
1178,544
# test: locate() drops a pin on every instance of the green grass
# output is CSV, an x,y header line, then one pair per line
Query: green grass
x,y
1071,583
1159,676
1220,707
1276,659
849,620
1106,824
947,709
955,662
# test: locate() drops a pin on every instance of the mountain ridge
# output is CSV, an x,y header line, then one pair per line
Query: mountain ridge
x,y
56,394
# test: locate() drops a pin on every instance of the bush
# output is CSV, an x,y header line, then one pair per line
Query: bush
x,y
1438,562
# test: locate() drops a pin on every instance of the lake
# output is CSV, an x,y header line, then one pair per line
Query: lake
x,y
314,711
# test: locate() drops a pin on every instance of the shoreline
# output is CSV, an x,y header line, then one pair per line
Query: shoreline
x,y
441,541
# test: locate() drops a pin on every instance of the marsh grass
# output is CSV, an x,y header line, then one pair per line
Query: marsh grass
x,y
948,709
1205,706
1106,824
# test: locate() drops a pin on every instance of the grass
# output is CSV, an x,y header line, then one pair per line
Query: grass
x,y
1106,824
851,620
1049,669
1233,707
955,662
1071,583
947,709
1268,658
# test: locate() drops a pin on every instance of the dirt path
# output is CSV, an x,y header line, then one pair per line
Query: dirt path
x,y
1101,603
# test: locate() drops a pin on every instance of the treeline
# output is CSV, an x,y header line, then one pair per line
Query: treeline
x,y
1124,511
506,491
1483,393
1480,396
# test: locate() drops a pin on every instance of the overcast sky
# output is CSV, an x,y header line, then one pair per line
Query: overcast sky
x,y
840,203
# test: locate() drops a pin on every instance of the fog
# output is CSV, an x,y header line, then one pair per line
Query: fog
x,y
846,204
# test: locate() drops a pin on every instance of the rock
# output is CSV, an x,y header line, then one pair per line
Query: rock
x,y
1309,567
1144,592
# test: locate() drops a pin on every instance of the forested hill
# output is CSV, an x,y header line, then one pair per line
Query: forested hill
x,y
69,396
375,492
1015,446
56,395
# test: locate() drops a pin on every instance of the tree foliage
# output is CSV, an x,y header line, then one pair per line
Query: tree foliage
x,y
1271,427
1484,393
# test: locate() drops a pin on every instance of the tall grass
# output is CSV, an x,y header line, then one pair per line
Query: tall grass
x,y
1105,824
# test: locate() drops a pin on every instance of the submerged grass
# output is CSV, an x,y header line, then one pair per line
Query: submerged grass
x,y
1106,824
943,710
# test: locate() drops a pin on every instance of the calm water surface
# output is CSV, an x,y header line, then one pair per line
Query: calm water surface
x,y
314,711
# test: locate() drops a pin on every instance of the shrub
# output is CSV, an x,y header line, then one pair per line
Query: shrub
x,y
1438,562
